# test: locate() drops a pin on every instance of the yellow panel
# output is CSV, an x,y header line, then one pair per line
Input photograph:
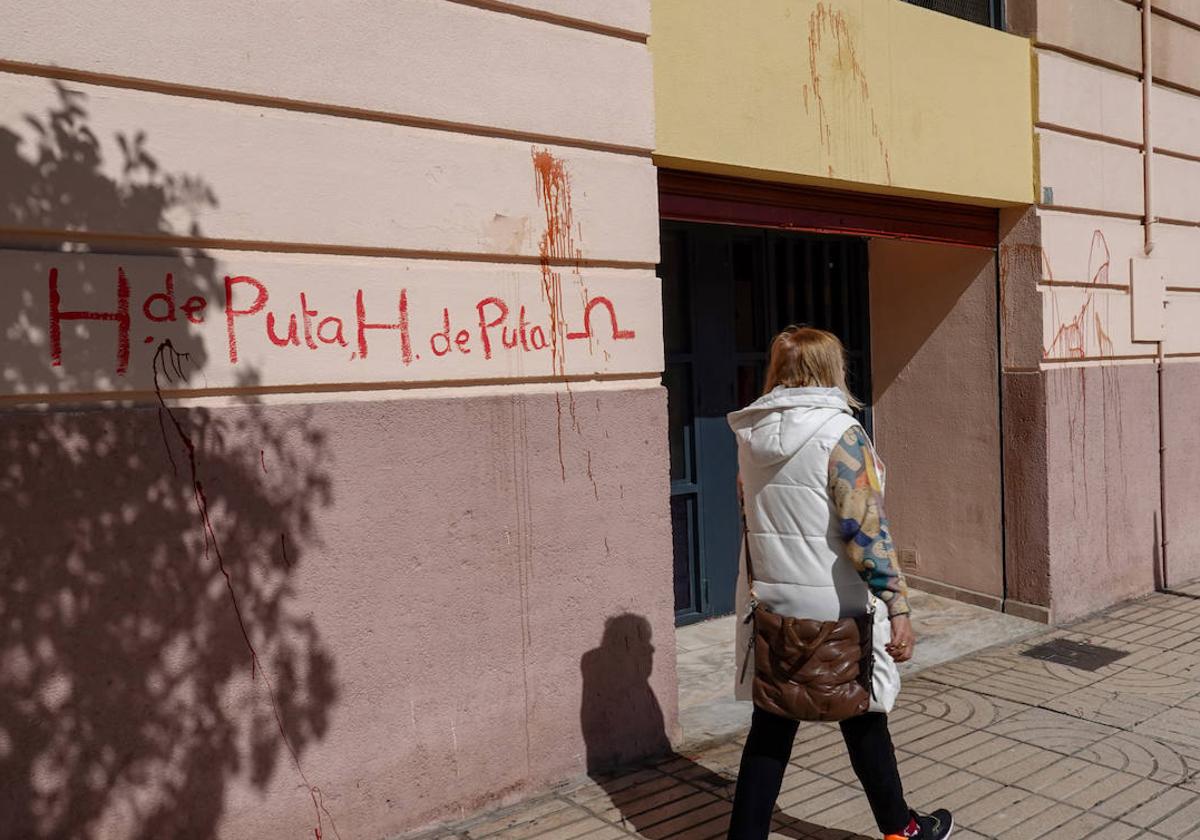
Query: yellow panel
x,y
871,95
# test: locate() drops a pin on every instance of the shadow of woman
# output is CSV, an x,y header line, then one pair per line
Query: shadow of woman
x,y
657,791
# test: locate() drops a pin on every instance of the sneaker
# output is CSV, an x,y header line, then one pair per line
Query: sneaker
x,y
935,826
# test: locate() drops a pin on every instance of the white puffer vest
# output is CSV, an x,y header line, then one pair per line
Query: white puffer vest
x,y
801,569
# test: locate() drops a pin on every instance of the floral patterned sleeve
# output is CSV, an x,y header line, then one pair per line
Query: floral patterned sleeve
x,y
857,497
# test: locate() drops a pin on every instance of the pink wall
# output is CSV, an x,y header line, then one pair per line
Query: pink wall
x,y
1181,407
934,371
1102,442
1092,451
454,575
428,585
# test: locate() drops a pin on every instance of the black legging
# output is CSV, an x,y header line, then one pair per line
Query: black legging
x,y
765,758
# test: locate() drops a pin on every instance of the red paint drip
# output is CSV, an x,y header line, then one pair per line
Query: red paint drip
x,y
1071,337
557,244
168,361
825,21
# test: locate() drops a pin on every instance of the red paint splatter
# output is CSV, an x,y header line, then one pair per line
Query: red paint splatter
x,y
167,362
822,23
591,477
562,464
557,243
1071,339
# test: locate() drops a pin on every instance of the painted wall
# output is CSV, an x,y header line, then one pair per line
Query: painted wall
x,y
934,372
1099,383
876,95
380,537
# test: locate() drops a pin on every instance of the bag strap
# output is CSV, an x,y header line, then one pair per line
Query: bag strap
x,y
746,543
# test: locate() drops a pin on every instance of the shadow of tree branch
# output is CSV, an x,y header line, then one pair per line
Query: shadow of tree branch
x,y
153,651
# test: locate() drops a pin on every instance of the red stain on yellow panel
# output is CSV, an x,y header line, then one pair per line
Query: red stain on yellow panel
x,y
831,42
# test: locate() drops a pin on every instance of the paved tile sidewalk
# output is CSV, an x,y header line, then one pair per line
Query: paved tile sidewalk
x,y
1017,747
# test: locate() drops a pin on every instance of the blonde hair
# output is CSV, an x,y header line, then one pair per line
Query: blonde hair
x,y
805,357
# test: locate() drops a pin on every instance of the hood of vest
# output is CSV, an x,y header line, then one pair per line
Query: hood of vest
x,y
774,427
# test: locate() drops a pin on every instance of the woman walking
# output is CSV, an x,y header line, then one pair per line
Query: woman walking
x,y
818,547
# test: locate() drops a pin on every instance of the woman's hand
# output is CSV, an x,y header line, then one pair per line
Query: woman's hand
x,y
903,640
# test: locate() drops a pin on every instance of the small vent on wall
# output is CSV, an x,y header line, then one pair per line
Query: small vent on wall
x,y
910,561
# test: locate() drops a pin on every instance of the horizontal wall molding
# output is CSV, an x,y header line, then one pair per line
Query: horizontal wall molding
x,y
1087,135
117,242
1070,284
251,393
1159,150
1166,220
694,197
1190,24
568,21
67,74
1088,59
1093,361
1090,211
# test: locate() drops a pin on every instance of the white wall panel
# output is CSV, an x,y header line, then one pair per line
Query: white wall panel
x,y
1087,323
282,176
1090,174
500,321
1176,188
1179,247
1176,121
427,58
1183,323
1075,94
1088,249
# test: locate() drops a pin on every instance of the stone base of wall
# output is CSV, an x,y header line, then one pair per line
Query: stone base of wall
x,y
264,620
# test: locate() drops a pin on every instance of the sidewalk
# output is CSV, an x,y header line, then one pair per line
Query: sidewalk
x,y
708,714
1017,747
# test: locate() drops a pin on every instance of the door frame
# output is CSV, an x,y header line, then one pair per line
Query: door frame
x,y
720,199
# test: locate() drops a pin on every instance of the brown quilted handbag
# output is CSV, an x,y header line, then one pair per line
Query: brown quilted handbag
x,y
806,669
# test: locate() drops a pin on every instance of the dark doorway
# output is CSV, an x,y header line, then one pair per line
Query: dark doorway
x,y
726,291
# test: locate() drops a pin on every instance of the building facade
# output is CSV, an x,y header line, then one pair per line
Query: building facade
x,y
365,366
346,553
1101,392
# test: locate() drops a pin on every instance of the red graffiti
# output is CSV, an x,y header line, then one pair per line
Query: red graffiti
x,y
1072,336
120,316
253,313
260,300
618,334
401,325
557,243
